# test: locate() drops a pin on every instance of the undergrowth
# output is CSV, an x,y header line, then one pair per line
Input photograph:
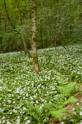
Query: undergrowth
x,y
26,98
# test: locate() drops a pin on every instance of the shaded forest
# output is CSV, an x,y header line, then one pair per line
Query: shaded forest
x,y
58,23
40,62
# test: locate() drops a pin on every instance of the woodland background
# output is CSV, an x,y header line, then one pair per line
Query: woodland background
x,y
59,22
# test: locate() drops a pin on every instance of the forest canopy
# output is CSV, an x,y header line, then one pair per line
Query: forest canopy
x,y
59,22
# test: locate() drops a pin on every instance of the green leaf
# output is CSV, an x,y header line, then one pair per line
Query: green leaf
x,y
58,114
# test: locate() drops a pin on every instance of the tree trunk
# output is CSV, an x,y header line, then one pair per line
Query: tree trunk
x,y
26,51
34,37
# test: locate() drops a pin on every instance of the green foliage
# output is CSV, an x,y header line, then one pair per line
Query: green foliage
x,y
58,114
71,100
67,89
28,98
58,22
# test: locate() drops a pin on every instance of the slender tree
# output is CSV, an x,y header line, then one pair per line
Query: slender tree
x,y
22,33
13,26
7,14
34,38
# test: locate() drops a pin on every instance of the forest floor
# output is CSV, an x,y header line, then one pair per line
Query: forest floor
x,y
53,95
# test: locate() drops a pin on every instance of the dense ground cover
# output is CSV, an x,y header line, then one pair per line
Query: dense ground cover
x,y
26,98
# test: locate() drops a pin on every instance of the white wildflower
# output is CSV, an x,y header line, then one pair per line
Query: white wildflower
x,y
18,120
18,90
62,122
8,122
28,122
81,122
81,113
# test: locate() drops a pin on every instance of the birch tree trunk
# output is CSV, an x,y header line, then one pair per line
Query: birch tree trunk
x,y
36,66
